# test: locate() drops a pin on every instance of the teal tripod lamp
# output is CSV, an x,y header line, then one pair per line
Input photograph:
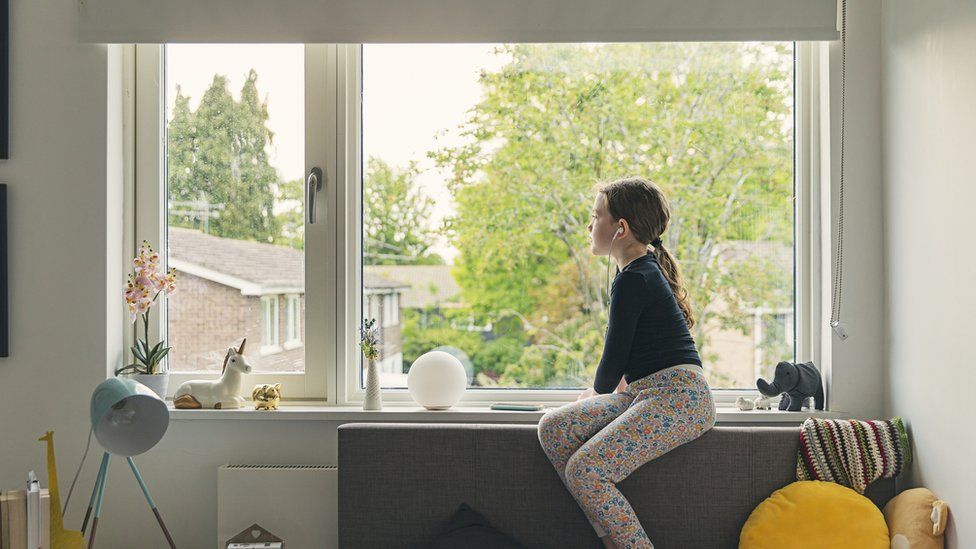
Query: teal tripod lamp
x,y
128,419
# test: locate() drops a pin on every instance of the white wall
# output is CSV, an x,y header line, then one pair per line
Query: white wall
x,y
930,189
65,273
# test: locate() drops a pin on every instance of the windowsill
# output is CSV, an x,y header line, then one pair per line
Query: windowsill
x,y
397,413
270,350
293,344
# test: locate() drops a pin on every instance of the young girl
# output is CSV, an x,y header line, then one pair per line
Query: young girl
x,y
662,399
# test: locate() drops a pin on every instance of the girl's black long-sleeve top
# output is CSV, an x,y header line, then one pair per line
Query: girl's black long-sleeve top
x,y
647,331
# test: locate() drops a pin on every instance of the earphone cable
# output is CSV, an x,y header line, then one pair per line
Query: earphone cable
x,y
839,258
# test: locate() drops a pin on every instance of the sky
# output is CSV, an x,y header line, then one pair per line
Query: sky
x,y
411,93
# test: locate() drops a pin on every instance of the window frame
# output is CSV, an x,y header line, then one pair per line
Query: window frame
x,y
334,295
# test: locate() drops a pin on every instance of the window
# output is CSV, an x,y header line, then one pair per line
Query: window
x,y
389,309
224,132
269,324
476,179
454,208
293,326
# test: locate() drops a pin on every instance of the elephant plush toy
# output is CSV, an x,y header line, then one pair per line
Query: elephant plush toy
x,y
796,382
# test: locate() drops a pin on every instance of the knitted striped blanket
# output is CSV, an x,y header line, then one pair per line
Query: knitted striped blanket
x,y
852,452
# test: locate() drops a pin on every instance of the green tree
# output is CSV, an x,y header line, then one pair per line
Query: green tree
x,y
219,176
395,214
291,218
710,123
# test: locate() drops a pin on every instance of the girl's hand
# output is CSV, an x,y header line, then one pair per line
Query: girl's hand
x,y
622,386
589,392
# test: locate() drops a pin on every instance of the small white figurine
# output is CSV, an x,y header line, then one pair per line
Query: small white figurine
x,y
743,403
763,403
220,394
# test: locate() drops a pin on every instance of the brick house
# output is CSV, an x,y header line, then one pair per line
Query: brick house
x,y
229,289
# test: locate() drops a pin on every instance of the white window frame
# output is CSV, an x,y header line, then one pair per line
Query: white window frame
x,y
144,118
293,321
334,296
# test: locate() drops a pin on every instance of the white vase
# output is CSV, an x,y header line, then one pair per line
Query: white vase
x,y
156,382
373,400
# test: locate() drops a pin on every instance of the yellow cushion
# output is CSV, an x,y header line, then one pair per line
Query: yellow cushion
x,y
815,514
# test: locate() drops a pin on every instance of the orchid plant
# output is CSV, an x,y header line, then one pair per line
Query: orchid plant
x,y
368,339
145,284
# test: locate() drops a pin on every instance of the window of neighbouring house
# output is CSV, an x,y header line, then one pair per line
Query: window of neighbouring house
x,y
269,324
388,308
293,326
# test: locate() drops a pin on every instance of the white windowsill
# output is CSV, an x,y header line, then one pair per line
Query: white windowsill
x,y
395,413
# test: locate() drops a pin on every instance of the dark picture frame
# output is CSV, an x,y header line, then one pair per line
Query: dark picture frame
x,y
4,324
4,76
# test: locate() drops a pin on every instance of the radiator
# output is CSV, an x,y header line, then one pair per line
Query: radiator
x,y
296,503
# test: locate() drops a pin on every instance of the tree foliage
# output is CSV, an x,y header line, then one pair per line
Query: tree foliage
x,y
219,177
395,217
710,123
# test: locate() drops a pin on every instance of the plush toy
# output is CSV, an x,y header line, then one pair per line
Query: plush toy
x,y
916,520
266,396
220,394
796,382
762,403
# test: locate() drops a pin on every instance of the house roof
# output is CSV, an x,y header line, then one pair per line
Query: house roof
x,y
255,268
258,268
733,251
427,284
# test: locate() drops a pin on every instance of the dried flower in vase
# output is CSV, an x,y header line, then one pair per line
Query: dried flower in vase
x,y
368,339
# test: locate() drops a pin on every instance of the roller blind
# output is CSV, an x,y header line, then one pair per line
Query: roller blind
x,y
433,21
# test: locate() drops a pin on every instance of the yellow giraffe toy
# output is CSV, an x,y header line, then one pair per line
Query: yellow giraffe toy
x,y
60,538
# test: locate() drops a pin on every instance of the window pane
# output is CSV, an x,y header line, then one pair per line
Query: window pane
x,y
477,193
235,156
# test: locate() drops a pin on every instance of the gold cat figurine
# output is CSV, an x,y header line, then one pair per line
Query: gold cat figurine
x,y
266,397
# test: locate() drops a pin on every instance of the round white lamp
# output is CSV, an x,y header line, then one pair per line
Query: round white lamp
x,y
436,380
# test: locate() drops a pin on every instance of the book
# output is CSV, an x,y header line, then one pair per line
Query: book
x,y
45,522
33,511
4,529
521,406
15,503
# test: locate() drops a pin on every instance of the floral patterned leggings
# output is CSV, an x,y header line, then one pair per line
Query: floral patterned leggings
x,y
597,442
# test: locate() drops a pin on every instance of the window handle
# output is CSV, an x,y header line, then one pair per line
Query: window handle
x,y
313,185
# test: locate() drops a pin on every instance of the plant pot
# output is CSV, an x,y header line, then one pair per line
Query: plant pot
x,y
373,400
157,383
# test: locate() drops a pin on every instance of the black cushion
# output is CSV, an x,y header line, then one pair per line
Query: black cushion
x,y
467,529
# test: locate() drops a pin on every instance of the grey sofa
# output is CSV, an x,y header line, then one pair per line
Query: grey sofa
x,y
400,482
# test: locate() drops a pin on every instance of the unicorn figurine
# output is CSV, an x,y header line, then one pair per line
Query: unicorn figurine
x,y
223,393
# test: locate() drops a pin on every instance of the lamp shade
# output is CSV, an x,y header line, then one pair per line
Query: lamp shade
x,y
128,417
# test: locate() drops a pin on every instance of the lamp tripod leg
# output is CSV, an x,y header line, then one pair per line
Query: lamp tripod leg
x,y
152,505
98,502
94,495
